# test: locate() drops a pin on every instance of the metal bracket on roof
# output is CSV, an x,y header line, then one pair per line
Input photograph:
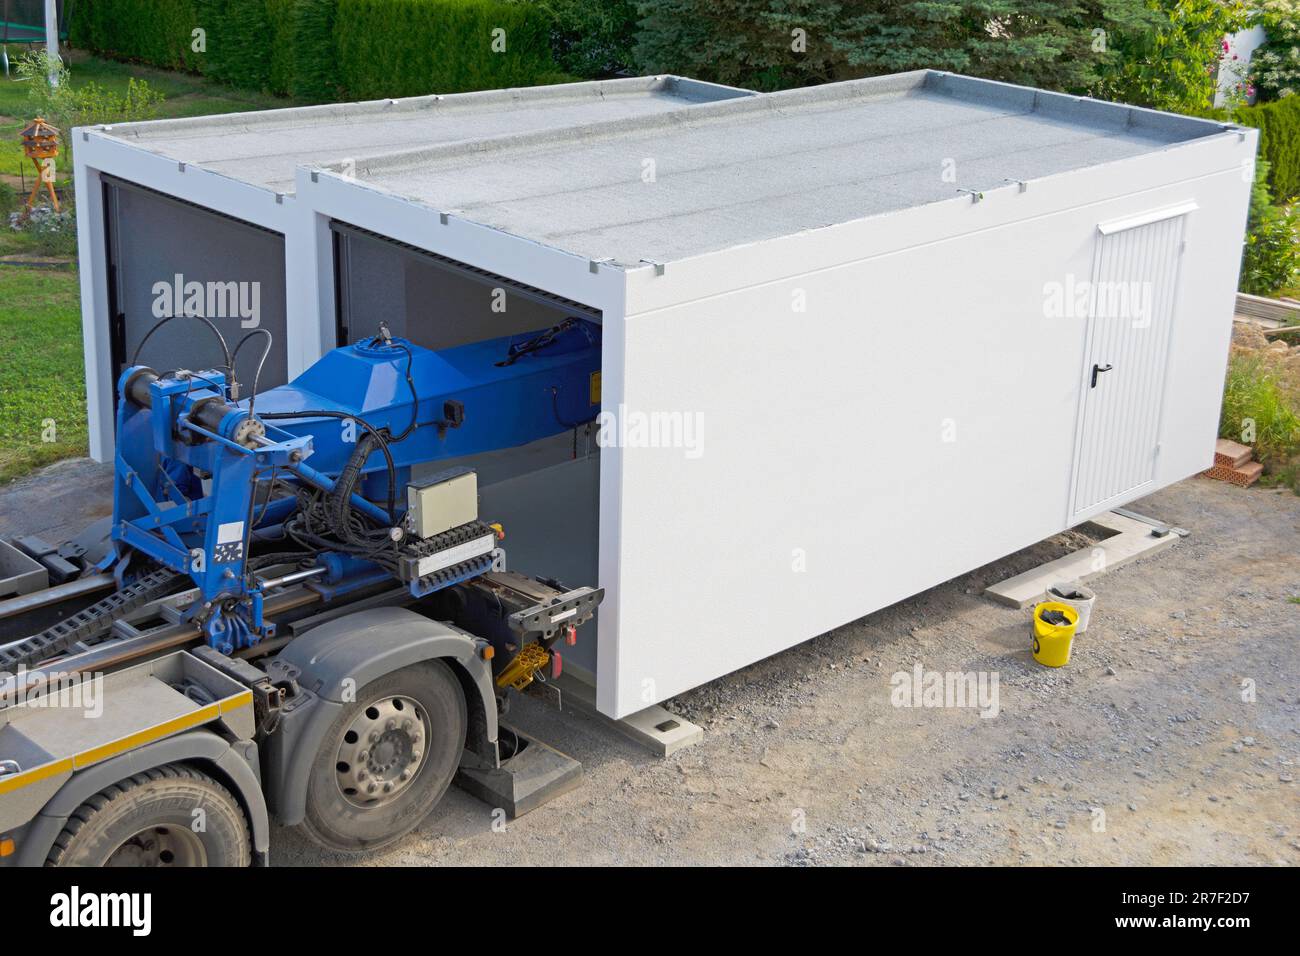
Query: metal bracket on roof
x,y
443,218
315,175
279,199
593,265
181,167
975,195
1019,182
659,266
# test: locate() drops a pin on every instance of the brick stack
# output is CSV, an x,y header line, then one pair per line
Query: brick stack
x,y
1234,463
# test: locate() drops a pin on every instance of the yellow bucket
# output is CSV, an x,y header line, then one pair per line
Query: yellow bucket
x,y
1052,641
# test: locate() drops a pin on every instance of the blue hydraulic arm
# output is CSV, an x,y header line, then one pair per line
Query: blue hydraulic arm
x,y
342,436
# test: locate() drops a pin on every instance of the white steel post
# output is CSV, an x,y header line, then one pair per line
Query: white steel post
x,y
52,37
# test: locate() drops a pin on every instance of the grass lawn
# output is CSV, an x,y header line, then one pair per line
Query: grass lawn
x,y
186,95
16,243
41,376
42,383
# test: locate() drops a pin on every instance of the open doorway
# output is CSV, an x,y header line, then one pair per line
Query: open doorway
x,y
169,257
546,494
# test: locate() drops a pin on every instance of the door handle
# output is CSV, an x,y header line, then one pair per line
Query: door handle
x,y
1097,370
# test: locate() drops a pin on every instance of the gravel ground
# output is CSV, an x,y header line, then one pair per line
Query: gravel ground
x,y
1141,752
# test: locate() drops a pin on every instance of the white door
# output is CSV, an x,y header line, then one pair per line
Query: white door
x,y
1131,312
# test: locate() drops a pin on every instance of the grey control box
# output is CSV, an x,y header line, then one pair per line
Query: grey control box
x,y
442,501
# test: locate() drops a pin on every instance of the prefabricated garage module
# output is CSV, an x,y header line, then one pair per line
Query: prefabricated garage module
x,y
856,339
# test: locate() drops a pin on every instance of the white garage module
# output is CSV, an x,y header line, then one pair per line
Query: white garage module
x,y
857,339
193,214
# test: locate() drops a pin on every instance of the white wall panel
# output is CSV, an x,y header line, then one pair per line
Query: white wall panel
x,y
914,423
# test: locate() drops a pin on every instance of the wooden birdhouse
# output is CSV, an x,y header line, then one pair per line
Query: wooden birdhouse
x,y
41,145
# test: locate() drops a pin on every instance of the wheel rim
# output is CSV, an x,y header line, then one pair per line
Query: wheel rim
x,y
160,846
382,752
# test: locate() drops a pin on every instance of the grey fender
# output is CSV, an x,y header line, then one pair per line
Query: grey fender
x,y
332,664
234,765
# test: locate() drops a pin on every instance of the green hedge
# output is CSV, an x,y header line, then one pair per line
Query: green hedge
x,y
158,32
241,46
284,47
409,47
280,62
314,70
1279,142
327,50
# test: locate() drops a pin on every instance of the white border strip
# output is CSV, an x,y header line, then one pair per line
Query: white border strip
x,y
1146,218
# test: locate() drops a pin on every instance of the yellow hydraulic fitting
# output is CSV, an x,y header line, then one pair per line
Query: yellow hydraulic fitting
x,y
519,673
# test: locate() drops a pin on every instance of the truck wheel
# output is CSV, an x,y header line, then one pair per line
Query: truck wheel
x,y
387,759
149,820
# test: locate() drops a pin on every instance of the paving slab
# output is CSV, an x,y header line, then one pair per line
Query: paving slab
x,y
1131,540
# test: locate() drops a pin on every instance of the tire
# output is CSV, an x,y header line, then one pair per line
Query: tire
x,y
148,820
411,721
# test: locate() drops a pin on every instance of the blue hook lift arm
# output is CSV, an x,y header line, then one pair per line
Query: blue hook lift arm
x,y
190,459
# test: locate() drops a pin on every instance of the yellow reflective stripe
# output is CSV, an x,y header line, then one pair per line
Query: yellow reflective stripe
x,y
13,781
113,748
140,738
234,703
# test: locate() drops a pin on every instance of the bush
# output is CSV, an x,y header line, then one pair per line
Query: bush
x,y
1276,64
1157,53
66,106
747,42
1259,409
53,233
591,38
159,32
1171,57
1272,255
1279,142
413,47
